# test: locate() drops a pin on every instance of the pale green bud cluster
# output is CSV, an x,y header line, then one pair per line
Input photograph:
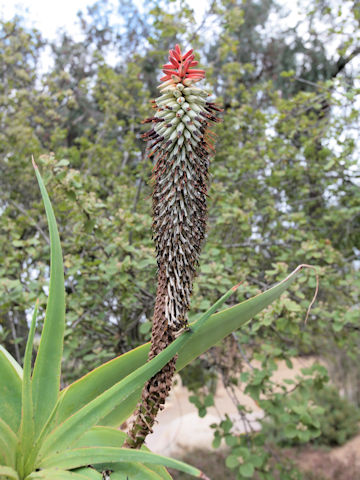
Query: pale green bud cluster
x,y
179,143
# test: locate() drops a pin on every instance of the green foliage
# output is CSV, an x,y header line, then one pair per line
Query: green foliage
x,y
294,418
303,410
284,183
339,420
319,415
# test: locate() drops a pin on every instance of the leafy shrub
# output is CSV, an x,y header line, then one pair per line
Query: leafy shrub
x,y
339,420
315,415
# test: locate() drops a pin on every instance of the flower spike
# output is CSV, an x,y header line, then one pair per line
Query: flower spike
x,y
180,144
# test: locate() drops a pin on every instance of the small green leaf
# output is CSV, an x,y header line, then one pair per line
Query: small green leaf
x,y
226,425
232,461
217,441
145,328
287,74
209,400
230,440
89,225
247,470
202,412
62,163
290,431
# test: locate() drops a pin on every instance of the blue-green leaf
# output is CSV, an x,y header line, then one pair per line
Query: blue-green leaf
x,y
46,375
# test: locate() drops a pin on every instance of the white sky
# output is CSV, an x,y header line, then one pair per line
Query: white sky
x,y
46,16
49,16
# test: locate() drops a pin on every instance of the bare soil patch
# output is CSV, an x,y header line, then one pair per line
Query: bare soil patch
x,y
341,463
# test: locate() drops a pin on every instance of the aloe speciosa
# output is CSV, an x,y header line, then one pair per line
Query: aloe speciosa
x,y
180,143
48,433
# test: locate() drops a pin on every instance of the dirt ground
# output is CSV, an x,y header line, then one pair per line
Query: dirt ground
x,y
340,463
316,464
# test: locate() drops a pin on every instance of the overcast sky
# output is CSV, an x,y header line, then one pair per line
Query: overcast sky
x,y
47,16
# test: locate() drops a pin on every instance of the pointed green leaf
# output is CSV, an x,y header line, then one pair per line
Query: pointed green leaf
x,y
10,390
16,367
46,375
112,437
27,420
8,473
72,428
122,412
88,387
221,324
215,328
93,455
8,442
124,468
97,381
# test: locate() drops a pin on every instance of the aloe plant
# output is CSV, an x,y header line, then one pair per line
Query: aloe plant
x,y
48,433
